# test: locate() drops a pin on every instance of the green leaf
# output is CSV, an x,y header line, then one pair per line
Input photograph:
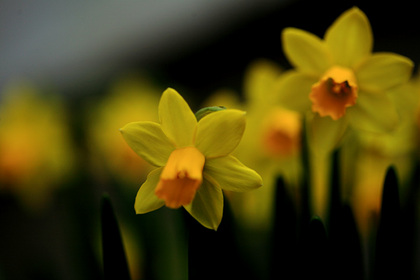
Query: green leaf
x,y
315,255
114,259
388,240
284,238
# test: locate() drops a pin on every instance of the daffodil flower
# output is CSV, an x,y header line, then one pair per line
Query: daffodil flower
x,y
340,80
192,158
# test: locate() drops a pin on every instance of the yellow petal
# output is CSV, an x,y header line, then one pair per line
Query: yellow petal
x,y
374,113
207,206
293,89
148,141
382,71
177,120
324,133
259,80
350,38
220,132
232,175
146,200
305,51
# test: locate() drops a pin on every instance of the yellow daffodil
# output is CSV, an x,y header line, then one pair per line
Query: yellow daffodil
x,y
340,80
192,158
36,151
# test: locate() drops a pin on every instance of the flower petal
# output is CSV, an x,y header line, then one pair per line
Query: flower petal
x,y
146,200
350,38
382,71
148,141
232,175
177,120
324,133
374,113
305,51
293,90
220,132
207,206
260,77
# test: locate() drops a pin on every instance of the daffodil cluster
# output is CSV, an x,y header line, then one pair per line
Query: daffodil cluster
x,y
193,159
337,83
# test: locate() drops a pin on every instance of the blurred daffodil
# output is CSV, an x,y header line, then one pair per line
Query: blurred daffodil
x,y
36,150
192,158
131,97
376,153
270,145
340,80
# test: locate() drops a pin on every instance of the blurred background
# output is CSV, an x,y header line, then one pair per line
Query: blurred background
x,y
73,72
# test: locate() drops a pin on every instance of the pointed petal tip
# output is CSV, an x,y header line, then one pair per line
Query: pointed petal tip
x,y
355,10
214,226
240,113
170,90
123,129
289,31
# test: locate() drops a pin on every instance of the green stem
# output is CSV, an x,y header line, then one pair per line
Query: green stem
x,y
319,192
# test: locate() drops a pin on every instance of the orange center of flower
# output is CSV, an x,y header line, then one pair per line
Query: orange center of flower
x,y
181,177
281,133
334,92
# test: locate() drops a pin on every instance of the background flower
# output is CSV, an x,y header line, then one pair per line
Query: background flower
x,y
376,153
270,145
36,150
132,97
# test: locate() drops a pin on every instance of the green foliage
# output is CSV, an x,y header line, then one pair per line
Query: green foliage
x,y
113,254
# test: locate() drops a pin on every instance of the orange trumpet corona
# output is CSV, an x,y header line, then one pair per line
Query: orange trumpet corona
x,y
181,177
334,93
